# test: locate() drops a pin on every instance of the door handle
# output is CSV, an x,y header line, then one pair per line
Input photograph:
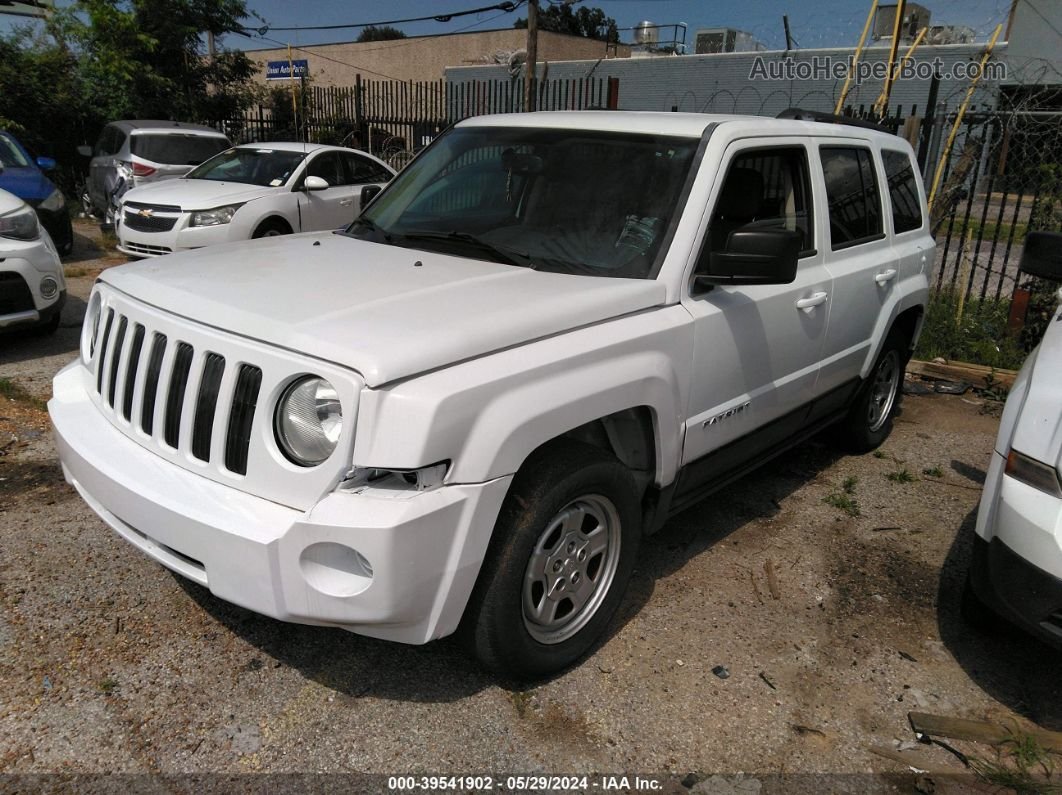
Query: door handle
x,y
812,301
885,276
346,202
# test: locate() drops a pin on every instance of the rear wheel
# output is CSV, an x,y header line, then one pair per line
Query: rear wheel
x,y
563,550
869,420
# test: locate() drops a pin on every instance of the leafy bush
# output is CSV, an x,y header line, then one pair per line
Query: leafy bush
x,y
973,331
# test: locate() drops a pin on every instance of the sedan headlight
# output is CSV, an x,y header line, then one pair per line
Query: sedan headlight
x,y
54,202
309,421
20,224
215,217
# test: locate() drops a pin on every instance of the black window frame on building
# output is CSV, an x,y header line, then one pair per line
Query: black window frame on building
x,y
903,191
861,232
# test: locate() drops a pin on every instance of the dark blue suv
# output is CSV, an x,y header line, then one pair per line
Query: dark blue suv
x,y
23,176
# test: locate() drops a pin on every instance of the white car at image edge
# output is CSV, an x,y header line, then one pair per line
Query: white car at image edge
x,y
32,288
250,191
1017,558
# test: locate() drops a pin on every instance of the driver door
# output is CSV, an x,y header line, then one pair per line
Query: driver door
x,y
333,207
757,348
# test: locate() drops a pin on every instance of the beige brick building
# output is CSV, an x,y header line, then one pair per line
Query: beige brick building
x,y
426,57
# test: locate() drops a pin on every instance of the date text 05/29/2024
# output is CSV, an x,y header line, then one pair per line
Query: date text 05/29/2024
x,y
532,783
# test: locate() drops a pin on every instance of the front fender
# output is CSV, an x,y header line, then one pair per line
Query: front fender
x,y
488,414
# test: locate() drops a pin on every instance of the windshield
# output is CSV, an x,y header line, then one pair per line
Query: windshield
x,y
567,201
10,154
177,149
254,166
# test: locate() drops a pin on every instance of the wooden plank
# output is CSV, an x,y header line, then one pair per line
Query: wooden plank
x,y
981,731
975,374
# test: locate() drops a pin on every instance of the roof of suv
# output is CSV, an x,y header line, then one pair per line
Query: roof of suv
x,y
142,125
662,123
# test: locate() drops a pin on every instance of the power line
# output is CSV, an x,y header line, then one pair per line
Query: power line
x,y
507,7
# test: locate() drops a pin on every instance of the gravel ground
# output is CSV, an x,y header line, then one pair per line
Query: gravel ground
x,y
832,628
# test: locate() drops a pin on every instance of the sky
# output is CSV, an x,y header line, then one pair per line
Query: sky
x,y
821,23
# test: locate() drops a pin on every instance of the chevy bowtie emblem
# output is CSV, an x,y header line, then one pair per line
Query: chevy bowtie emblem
x,y
147,212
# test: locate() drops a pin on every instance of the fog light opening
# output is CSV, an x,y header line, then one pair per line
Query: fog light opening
x,y
335,569
49,287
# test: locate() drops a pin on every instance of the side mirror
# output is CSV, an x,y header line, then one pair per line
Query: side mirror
x,y
46,163
752,256
368,193
315,183
1042,255
85,150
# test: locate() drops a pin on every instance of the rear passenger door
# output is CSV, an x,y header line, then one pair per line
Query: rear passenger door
x,y
911,241
859,255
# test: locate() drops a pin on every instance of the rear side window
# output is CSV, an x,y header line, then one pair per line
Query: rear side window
x,y
177,149
852,194
765,189
110,141
903,191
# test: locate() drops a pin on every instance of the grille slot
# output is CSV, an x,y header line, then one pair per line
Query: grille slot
x,y
116,358
241,416
103,350
182,365
151,383
206,403
130,373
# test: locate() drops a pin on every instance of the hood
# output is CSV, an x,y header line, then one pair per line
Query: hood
x,y
1039,426
196,194
384,311
28,183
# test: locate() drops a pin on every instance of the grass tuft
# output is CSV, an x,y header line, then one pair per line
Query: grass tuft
x,y
843,502
901,476
933,472
9,390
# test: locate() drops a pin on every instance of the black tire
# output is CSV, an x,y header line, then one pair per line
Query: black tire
x,y
868,422
564,480
271,227
48,327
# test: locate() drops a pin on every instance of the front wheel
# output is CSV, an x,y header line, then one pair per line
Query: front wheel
x,y
563,550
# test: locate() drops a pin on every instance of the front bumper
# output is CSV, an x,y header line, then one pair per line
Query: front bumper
x,y
182,237
25,265
424,549
1017,562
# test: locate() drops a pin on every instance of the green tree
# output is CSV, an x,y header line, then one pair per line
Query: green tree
x,y
589,22
146,59
380,33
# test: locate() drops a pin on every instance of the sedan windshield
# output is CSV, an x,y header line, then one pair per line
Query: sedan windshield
x,y
254,166
568,201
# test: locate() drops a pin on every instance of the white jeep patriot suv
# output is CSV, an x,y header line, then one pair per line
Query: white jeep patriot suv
x,y
548,334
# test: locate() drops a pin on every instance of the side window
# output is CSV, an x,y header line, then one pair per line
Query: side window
x,y
119,141
328,167
903,191
361,170
105,145
852,194
765,188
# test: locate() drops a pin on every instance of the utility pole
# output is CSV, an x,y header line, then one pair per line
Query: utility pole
x,y
532,55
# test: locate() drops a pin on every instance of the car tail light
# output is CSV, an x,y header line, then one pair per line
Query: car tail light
x,y
140,170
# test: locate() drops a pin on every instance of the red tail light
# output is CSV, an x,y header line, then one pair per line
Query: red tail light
x,y
140,170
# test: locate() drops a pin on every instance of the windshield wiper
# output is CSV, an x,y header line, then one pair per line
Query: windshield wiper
x,y
507,256
368,226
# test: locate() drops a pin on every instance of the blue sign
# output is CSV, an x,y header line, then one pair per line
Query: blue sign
x,y
281,70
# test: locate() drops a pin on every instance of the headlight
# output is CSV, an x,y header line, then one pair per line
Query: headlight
x,y
54,202
90,330
20,224
1033,473
215,217
309,421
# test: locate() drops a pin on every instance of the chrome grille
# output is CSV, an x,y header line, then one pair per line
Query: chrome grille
x,y
186,382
